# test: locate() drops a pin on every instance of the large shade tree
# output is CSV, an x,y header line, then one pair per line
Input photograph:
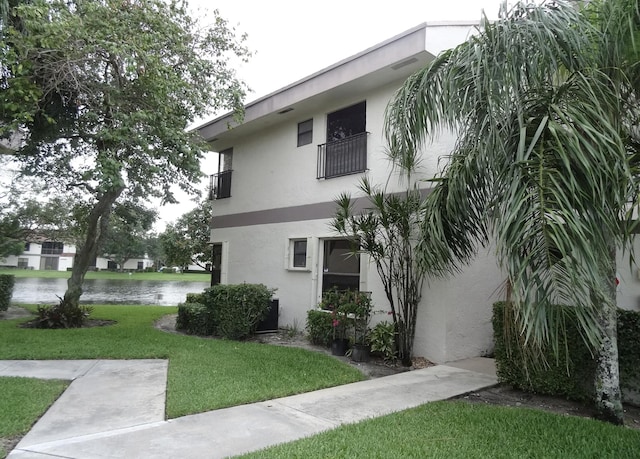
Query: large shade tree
x,y
128,233
104,91
187,240
544,101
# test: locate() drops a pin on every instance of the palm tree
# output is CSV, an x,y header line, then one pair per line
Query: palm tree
x,y
544,103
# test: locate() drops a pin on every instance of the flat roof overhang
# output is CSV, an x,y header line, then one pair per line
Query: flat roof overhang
x,y
392,60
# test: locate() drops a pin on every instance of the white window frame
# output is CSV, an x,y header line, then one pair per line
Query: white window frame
x,y
289,254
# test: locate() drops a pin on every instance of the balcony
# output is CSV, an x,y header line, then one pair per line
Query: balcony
x,y
220,185
52,248
342,157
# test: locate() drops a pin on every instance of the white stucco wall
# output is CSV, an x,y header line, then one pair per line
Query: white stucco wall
x,y
454,321
629,276
455,314
33,260
269,171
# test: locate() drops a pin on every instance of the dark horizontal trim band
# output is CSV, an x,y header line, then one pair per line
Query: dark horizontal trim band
x,y
316,211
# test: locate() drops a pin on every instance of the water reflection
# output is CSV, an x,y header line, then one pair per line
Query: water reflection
x,y
107,291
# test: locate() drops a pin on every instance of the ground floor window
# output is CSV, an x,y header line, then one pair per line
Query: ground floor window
x,y
297,254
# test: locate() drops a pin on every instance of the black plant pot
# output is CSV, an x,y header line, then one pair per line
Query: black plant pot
x,y
339,346
360,353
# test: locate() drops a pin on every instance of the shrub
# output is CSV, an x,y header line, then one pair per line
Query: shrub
x,y
572,373
195,298
7,282
350,311
237,309
629,354
194,319
382,339
61,315
319,327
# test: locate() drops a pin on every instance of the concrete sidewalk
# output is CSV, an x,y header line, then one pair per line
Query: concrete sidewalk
x,y
115,409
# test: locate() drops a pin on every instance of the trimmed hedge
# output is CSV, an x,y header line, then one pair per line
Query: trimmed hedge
x,y
195,298
320,327
226,311
629,355
7,281
194,319
572,377
237,309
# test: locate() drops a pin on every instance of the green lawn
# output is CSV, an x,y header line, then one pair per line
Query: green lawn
x,y
191,277
23,401
204,374
456,429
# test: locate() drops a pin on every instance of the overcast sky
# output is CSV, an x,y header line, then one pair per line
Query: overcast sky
x,y
292,39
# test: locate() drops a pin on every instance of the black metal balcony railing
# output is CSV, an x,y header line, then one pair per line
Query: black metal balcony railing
x,y
343,157
220,185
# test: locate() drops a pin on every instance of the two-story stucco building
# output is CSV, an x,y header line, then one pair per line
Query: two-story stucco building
x,y
58,256
296,150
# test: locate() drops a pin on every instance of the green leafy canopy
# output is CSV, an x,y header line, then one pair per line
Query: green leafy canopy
x,y
104,91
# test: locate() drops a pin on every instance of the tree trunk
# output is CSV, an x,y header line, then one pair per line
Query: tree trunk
x,y
97,225
607,382
607,379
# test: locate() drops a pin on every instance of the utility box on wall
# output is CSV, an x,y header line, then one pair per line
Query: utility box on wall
x,y
270,323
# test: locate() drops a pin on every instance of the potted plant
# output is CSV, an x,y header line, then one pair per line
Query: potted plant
x,y
358,305
332,300
340,343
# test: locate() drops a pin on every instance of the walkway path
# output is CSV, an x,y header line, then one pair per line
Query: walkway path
x,y
115,409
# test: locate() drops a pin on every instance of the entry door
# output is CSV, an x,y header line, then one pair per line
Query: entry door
x,y
49,263
216,265
340,268
346,149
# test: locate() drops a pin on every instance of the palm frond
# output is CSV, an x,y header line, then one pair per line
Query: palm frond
x,y
543,162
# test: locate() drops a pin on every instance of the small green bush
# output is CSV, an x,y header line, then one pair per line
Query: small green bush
x,y
195,298
572,374
194,319
319,327
382,339
237,309
7,282
61,315
629,354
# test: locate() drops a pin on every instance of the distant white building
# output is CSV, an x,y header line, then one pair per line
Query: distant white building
x,y
58,256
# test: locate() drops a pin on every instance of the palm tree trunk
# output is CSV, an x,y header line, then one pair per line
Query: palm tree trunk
x,y
97,225
607,378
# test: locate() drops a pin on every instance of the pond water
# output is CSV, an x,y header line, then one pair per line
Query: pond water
x,y
107,291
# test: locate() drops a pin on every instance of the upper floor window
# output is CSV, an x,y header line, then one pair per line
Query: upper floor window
x,y
27,246
305,132
346,149
220,186
52,248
